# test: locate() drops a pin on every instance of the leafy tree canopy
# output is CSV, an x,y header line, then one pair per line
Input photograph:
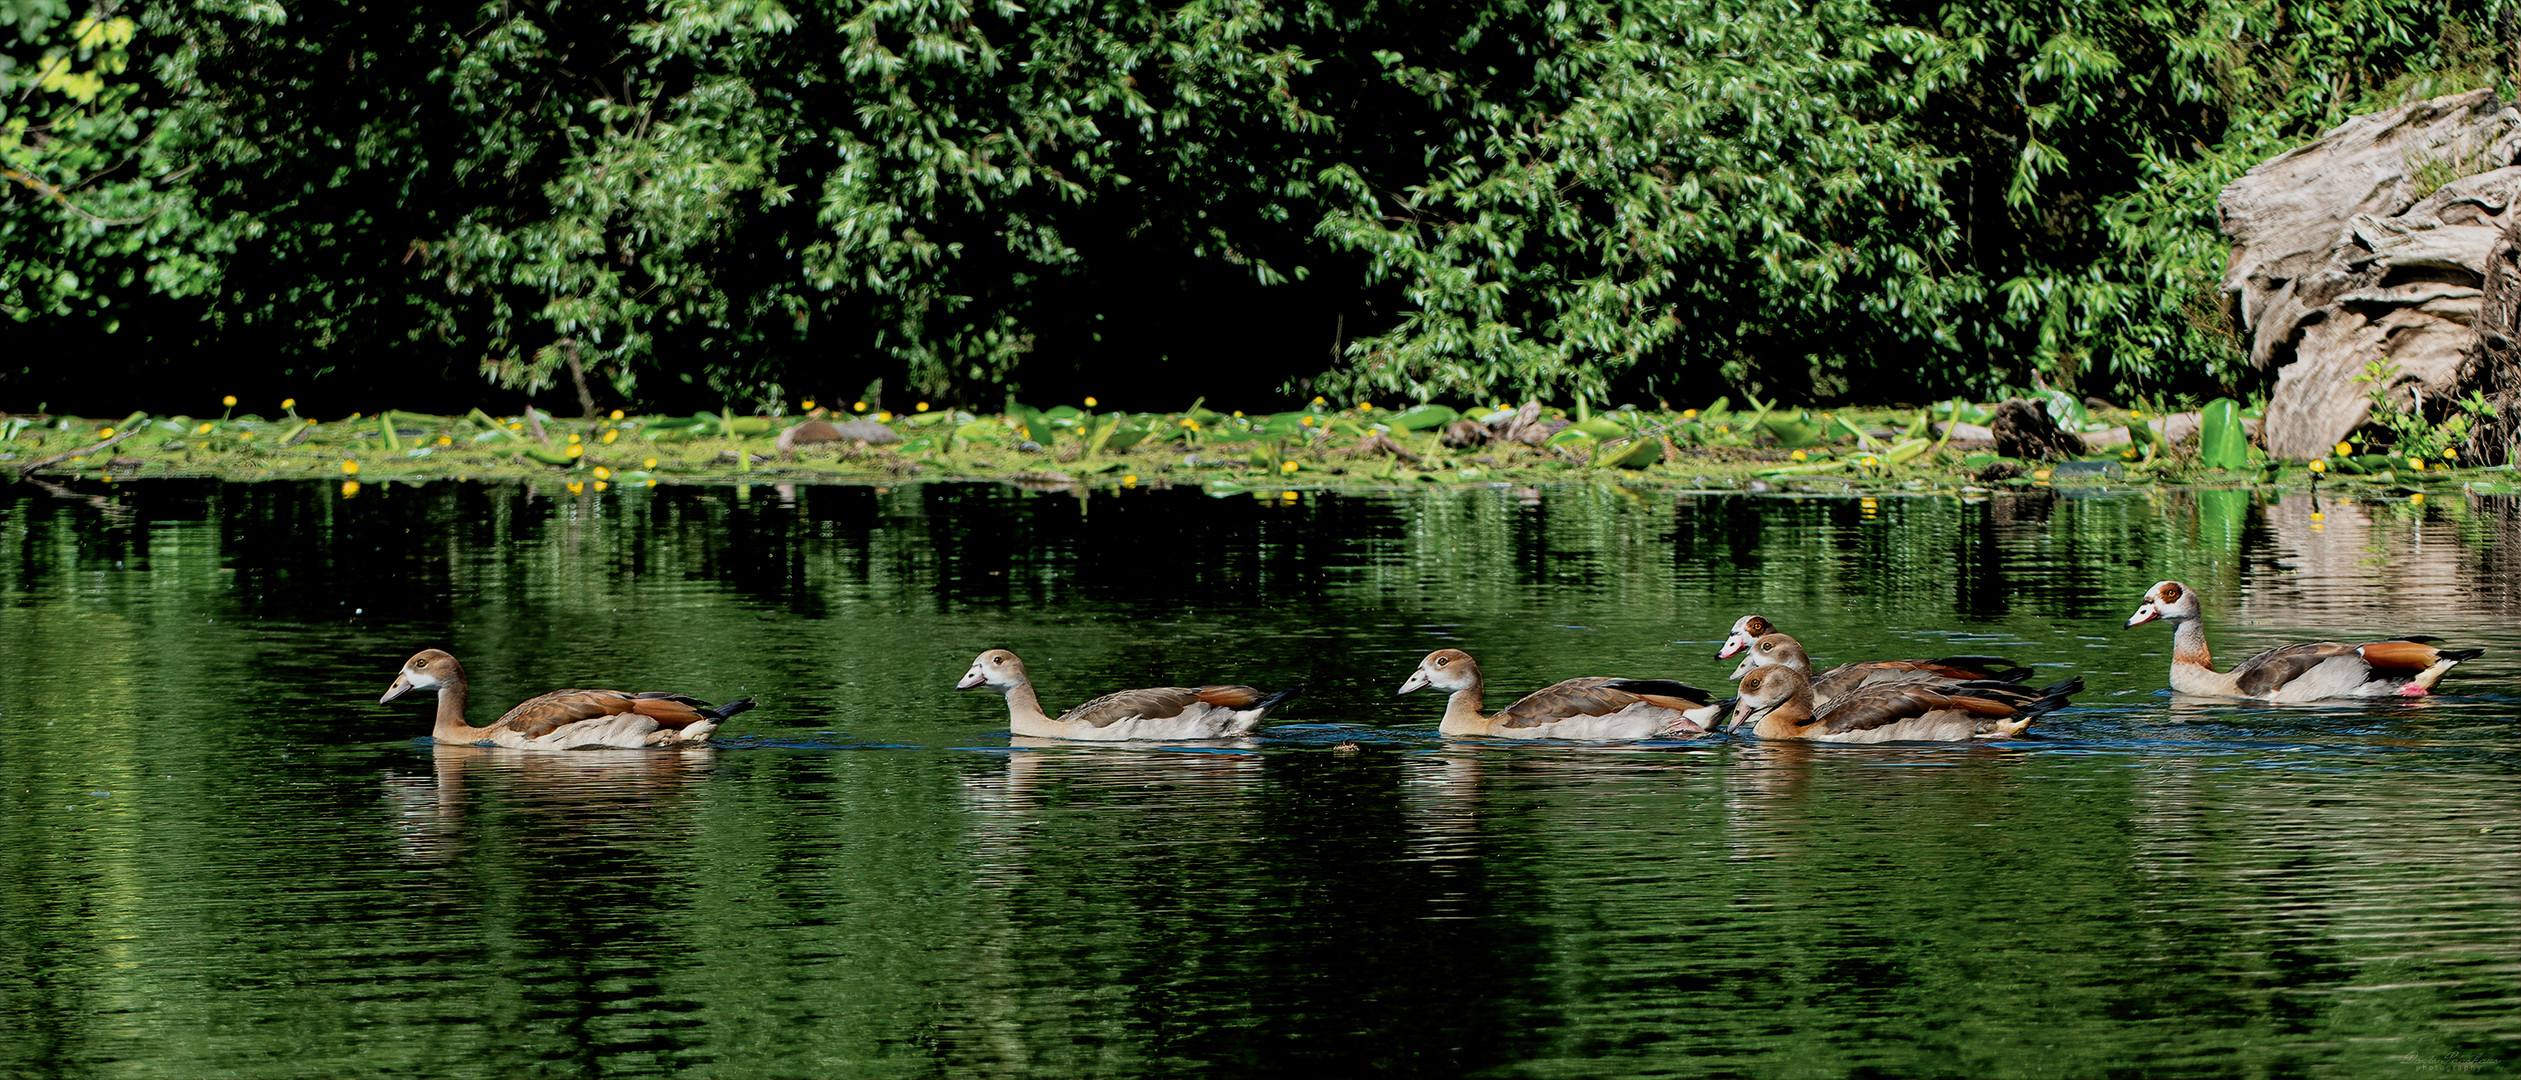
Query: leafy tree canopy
x,y
751,200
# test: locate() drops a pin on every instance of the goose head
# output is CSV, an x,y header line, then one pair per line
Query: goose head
x,y
1444,669
1774,650
1763,690
427,669
2166,600
1747,631
998,668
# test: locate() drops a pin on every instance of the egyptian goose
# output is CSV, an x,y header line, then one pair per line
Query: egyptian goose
x,y
2312,671
562,719
1586,708
1778,702
1163,712
1780,650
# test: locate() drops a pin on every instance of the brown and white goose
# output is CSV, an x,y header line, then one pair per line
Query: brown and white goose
x,y
562,719
1777,701
1781,650
2312,671
1163,712
1586,708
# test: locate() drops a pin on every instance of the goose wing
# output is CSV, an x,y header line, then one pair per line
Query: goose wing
x,y
1597,696
2268,672
549,713
1153,703
1882,706
1848,678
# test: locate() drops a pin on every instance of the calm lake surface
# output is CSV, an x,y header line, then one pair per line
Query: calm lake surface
x,y
220,857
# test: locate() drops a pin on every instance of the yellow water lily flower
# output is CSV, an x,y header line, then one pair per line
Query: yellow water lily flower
x,y
349,488
288,403
648,464
1287,466
1090,402
858,406
602,473
610,435
617,414
922,406
350,468
2319,466
229,401
2343,449
807,406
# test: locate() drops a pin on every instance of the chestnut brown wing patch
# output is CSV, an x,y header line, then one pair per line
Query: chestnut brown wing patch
x,y
1155,703
671,710
1229,697
2268,672
2406,654
560,708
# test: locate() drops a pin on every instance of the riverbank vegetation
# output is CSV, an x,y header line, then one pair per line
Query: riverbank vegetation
x,y
664,205
1724,445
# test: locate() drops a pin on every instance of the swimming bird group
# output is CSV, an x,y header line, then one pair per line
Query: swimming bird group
x,y
1947,699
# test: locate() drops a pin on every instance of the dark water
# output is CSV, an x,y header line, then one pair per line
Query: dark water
x,y
222,858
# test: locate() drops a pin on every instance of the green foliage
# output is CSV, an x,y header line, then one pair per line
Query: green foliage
x,y
2410,433
2222,443
96,207
1581,199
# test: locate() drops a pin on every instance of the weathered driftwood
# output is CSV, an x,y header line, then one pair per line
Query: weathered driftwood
x,y
2023,430
2348,250
860,432
2494,363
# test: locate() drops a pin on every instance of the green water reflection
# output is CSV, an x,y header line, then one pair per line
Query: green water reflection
x,y
220,857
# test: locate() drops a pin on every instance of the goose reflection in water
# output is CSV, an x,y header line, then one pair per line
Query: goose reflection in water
x,y
594,794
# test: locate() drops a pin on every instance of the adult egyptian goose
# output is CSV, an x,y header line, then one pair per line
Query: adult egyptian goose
x,y
1587,708
562,719
2312,671
1163,712
1781,650
1778,702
